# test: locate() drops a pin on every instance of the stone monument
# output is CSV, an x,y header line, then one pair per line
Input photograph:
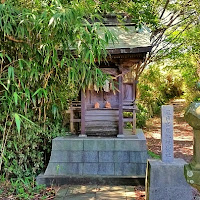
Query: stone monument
x,y
167,143
165,178
192,170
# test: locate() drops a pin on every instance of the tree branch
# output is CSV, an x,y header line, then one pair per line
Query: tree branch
x,y
14,40
164,9
174,39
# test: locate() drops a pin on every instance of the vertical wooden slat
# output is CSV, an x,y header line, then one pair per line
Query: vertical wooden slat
x,y
71,120
82,115
134,122
134,112
120,134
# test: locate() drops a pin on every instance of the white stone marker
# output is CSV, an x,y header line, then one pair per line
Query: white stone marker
x,y
167,143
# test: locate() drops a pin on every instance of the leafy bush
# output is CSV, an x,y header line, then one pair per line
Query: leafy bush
x,y
40,74
153,155
27,152
25,188
141,116
156,86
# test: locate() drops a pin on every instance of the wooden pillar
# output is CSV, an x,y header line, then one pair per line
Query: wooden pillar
x,y
71,120
83,134
121,123
134,111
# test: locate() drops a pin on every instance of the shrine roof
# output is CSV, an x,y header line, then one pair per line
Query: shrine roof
x,y
129,39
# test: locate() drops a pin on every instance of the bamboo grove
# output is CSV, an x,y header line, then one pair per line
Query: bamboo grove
x,y
49,50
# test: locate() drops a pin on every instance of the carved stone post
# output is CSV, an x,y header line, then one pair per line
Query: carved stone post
x,y
192,170
165,179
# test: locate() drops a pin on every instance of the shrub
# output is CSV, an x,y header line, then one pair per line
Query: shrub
x,y
141,116
156,87
27,153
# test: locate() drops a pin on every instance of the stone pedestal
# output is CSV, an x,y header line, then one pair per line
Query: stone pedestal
x,y
97,157
192,170
166,181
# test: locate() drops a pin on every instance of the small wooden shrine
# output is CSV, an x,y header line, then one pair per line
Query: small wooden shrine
x,y
101,113
100,160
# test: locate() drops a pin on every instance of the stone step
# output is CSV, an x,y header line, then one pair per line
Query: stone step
x,y
97,130
102,133
90,180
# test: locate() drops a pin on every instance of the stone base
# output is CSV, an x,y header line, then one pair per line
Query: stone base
x,y
98,156
192,176
166,181
120,136
82,136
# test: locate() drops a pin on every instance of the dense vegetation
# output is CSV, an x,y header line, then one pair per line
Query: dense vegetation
x,y
164,83
49,50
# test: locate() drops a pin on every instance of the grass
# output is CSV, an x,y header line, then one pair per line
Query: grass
x,y
153,155
24,188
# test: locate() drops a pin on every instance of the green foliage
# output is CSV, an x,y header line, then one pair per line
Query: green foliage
x,y
25,188
25,153
157,86
49,50
142,12
188,69
141,116
185,58
153,155
177,74
47,53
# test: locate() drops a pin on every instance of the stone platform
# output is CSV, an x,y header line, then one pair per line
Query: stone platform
x,y
166,181
97,157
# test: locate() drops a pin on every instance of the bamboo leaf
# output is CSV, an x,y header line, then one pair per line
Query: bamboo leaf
x,y
45,93
1,56
51,21
8,58
91,58
20,64
87,55
28,120
15,98
37,91
3,85
27,93
34,101
54,110
18,122
11,73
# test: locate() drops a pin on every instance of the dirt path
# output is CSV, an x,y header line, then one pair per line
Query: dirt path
x,y
183,136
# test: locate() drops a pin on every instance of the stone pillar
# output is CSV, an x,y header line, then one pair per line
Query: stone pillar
x,y
167,142
165,178
192,170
